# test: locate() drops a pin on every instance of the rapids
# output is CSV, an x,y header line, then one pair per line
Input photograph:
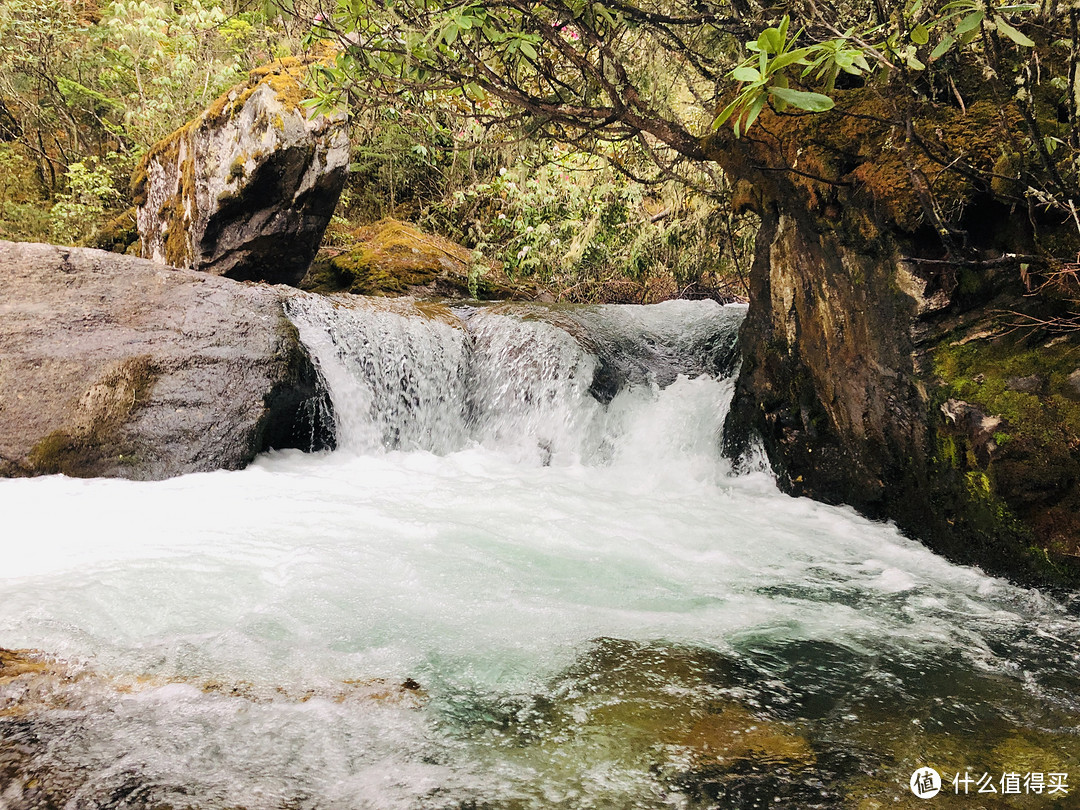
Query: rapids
x,y
525,579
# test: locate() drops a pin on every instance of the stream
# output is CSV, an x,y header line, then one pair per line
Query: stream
x,y
526,578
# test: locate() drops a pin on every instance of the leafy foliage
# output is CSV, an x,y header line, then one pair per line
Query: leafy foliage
x,y
79,83
89,194
765,76
594,73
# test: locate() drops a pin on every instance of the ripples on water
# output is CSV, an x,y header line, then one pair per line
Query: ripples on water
x,y
525,580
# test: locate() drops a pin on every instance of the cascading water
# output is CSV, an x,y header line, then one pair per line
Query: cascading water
x,y
526,579
404,376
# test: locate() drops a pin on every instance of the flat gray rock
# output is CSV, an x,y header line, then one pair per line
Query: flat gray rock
x,y
116,366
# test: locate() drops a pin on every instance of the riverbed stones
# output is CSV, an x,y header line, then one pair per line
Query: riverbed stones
x,y
115,366
246,189
53,711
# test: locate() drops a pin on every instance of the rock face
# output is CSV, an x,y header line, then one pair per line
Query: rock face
x,y
246,189
883,369
115,366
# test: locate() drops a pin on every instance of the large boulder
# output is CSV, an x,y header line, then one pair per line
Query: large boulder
x,y
246,189
115,366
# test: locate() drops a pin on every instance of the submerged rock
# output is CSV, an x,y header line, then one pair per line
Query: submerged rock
x,y
114,366
246,189
53,711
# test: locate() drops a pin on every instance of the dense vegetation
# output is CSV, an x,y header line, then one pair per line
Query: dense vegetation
x,y
933,107
574,142
85,90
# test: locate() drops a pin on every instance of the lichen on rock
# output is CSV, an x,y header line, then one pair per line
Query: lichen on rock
x,y
246,189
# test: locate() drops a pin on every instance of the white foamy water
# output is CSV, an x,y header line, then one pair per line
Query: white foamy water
x,y
483,523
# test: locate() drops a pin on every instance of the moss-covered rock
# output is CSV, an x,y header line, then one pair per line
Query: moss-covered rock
x,y
246,189
119,235
395,258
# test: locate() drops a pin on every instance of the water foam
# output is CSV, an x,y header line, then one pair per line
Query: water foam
x,y
489,519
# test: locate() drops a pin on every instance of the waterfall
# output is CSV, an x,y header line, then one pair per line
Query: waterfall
x,y
532,379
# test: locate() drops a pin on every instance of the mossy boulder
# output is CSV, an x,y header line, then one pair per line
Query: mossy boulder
x,y
395,258
246,189
114,366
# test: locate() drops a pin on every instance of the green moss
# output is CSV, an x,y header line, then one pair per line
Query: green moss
x,y
970,281
948,452
236,170
286,77
175,213
1025,483
118,234
979,484
56,452
391,257
979,372
139,181
1048,568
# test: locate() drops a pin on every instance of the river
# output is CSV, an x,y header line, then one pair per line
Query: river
x,y
526,578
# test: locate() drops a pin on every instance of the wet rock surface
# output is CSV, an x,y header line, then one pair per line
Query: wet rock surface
x,y
46,704
246,189
780,723
115,366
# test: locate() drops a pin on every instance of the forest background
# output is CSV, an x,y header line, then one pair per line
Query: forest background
x,y
87,89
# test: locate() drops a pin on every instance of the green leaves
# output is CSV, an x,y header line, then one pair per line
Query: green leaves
x,y
460,21
972,15
834,56
745,74
1012,33
811,102
764,78
970,22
